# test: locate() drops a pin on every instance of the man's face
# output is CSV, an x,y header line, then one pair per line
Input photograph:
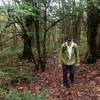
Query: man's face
x,y
69,42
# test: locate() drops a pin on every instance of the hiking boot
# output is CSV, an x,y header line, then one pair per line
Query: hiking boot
x,y
66,85
72,80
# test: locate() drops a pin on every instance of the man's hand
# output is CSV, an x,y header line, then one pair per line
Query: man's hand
x,y
77,65
59,65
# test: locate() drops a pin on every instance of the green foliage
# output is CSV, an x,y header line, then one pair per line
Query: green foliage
x,y
38,96
12,94
22,9
25,9
98,67
10,52
20,76
2,73
13,75
95,3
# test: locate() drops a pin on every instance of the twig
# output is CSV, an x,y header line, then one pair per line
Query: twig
x,y
3,2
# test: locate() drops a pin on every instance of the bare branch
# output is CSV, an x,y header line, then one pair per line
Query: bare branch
x,y
17,1
10,23
48,3
21,24
53,24
3,2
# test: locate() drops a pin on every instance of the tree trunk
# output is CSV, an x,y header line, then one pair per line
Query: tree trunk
x,y
1,46
27,50
44,38
92,33
38,44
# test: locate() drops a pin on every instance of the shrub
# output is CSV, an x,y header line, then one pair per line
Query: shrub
x,y
12,94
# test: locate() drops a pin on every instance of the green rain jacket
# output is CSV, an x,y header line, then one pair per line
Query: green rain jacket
x,y
63,56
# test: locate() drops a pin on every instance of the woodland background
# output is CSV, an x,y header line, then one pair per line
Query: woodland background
x,y
31,33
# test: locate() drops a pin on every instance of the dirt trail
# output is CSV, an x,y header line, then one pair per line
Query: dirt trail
x,y
86,87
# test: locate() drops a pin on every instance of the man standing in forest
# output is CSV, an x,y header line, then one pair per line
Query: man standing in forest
x,y
69,58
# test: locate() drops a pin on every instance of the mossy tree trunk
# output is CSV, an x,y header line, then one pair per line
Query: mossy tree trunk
x,y
93,22
27,50
27,39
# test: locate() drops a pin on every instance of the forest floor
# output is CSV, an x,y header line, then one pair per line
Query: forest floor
x,y
86,86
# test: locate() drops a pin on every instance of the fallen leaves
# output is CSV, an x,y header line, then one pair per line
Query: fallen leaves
x,y
92,84
86,87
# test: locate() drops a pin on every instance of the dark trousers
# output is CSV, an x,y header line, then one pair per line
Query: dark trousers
x,y
68,69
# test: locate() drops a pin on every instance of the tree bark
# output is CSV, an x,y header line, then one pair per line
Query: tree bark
x,y
27,50
93,21
43,65
38,44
